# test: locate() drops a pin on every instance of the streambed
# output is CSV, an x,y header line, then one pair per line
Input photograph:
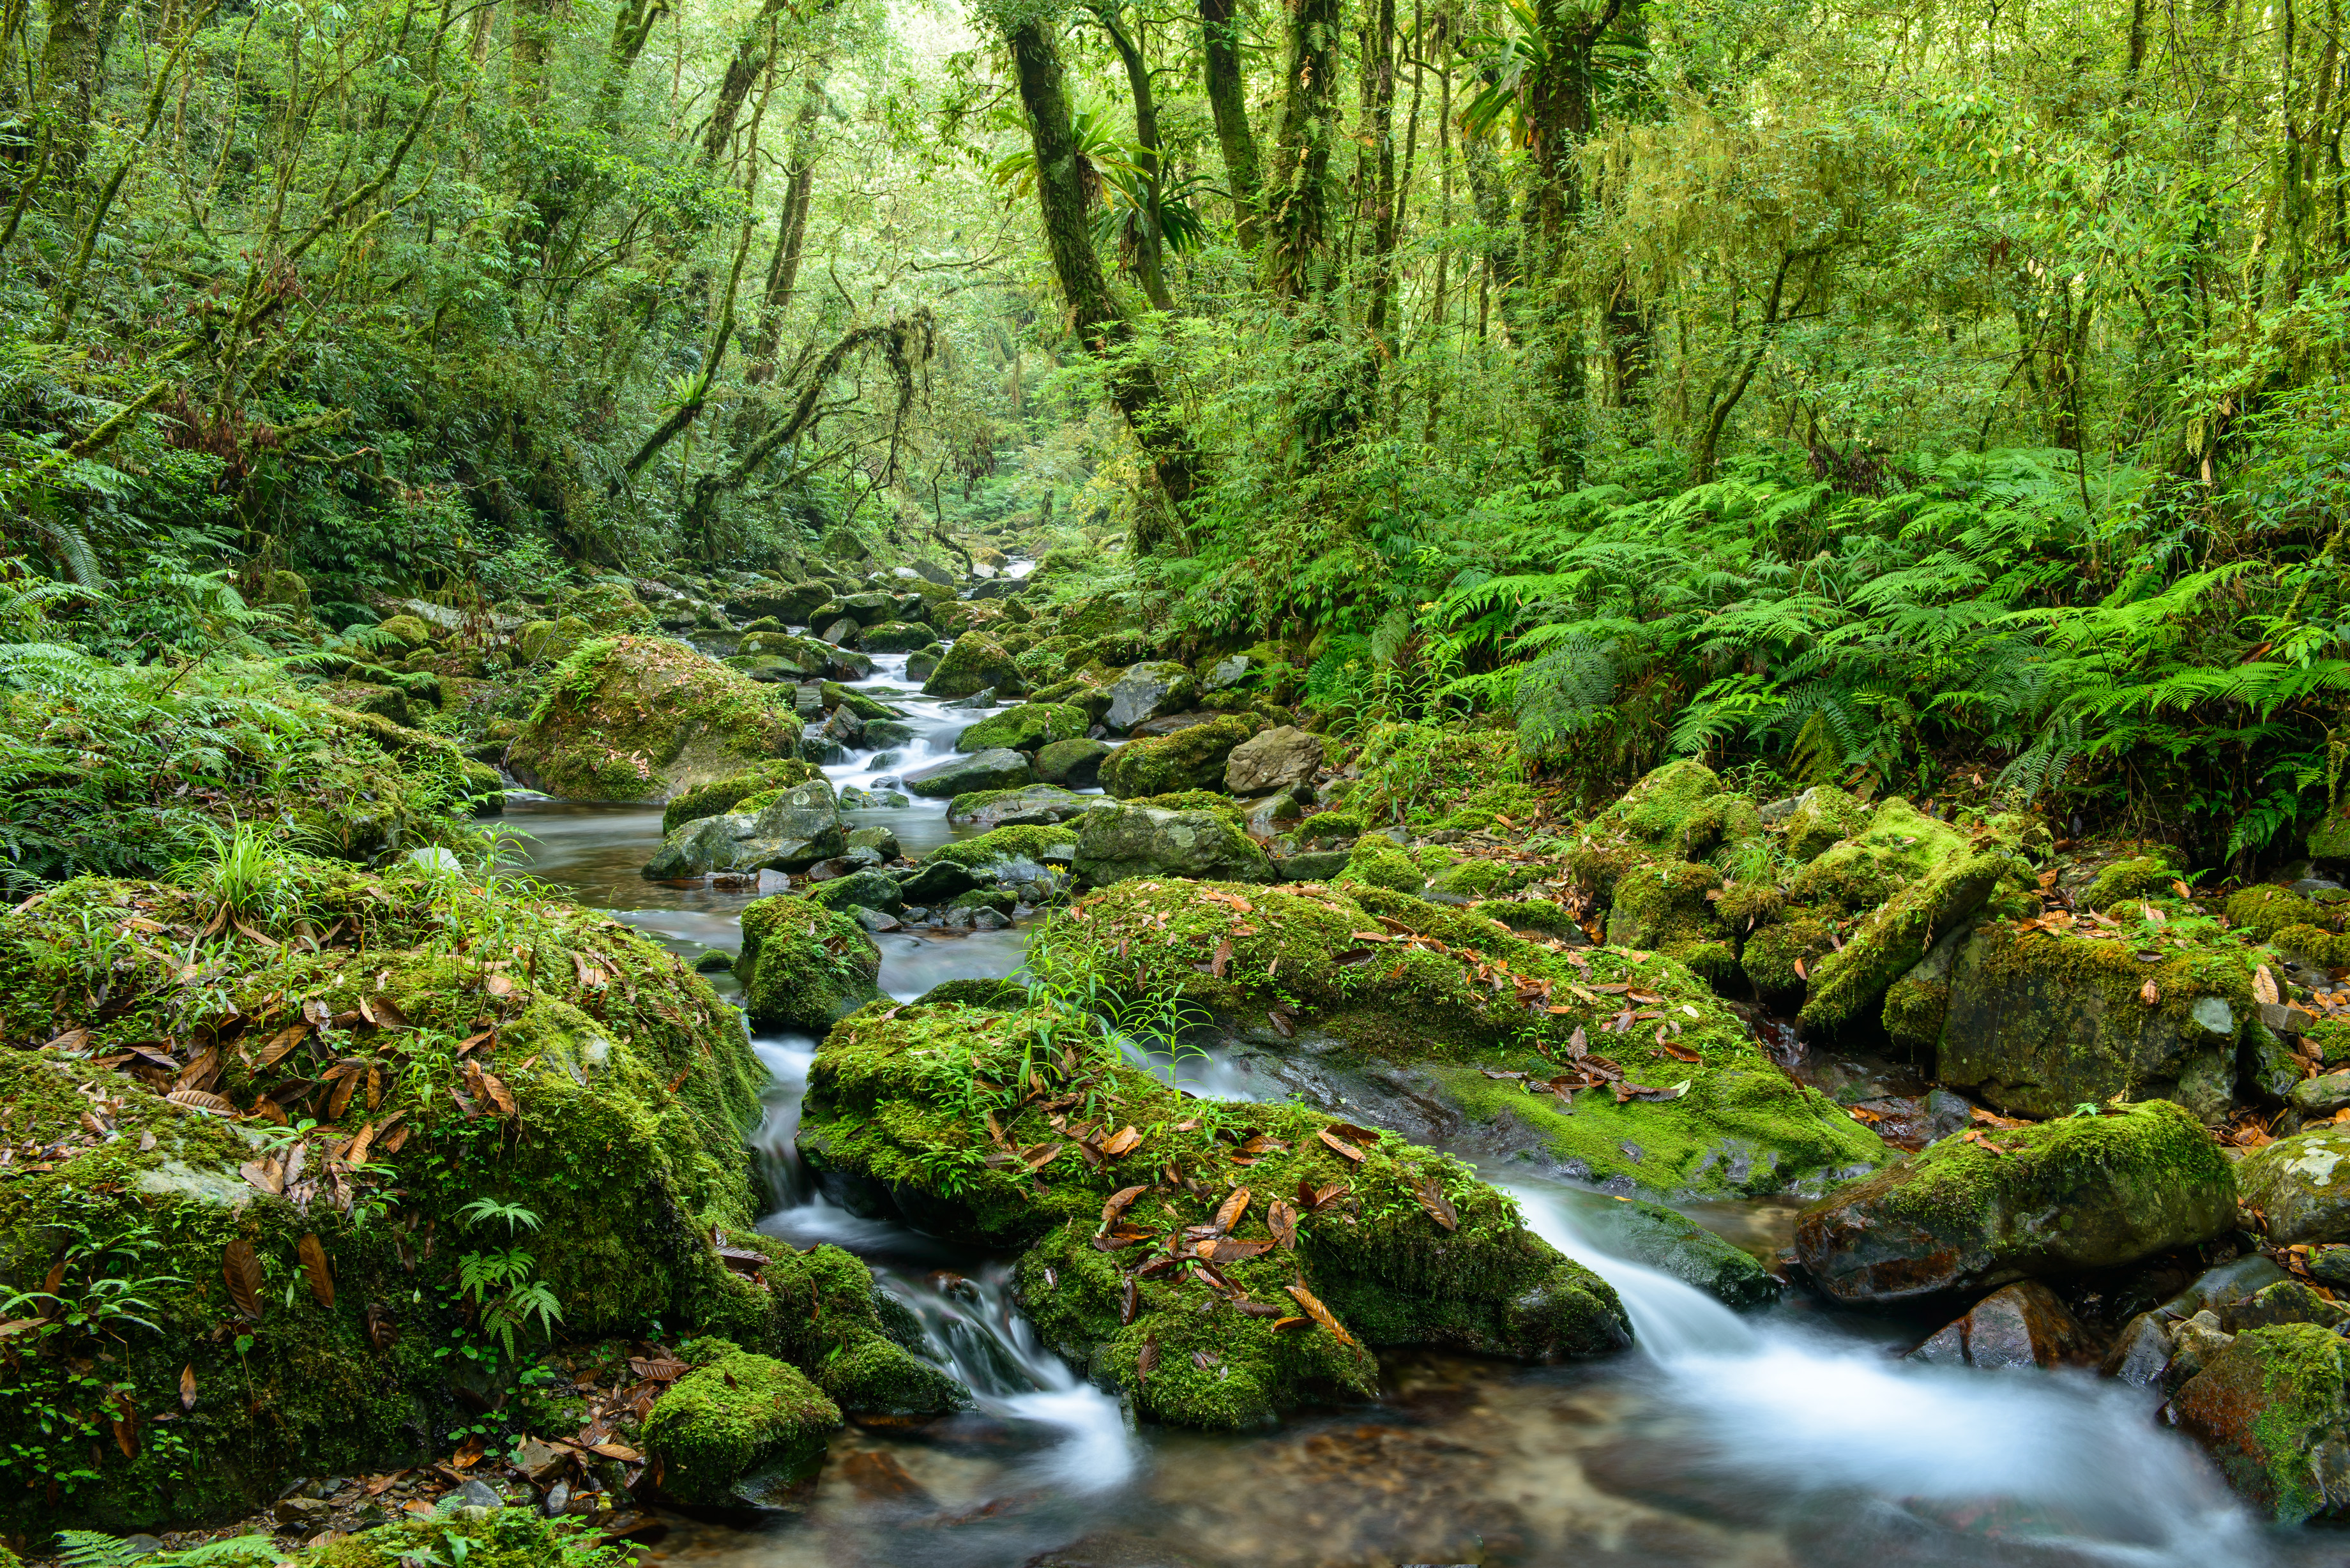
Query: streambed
x,y
1794,1439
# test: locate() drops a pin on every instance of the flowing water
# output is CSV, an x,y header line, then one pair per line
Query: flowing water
x,y
1797,1439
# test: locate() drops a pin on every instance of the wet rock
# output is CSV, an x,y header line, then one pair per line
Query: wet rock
x,y
1146,690
736,1427
803,966
2270,1408
2021,1326
1192,758
848,664
2287,1301
923,661
992,769
791,830
2195,1342
1027,727
2082,1193
936,883
300,1512
2142,1352
715,961
844,727
855,799
2037,1025
1848,981
1274,759
1116,842
841,632
879,840
861,889
1675,1244
805,656
1030,806
974,663
2301,1184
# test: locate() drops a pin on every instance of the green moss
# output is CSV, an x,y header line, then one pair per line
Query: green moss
x,y
1188,759
1223,806
1823,816
1850,980
974,663
1899,846
1665,906
2265,910
737,1424
1024,728
999,995
1914,1010
803,966
503,1538
1020,842
636,718
891,1104
2263,1405
411,631
607,605
1478,879
1375,862
632,1087
2139,876
735,790
1741,1124
2330,1037
2313,944
1331,825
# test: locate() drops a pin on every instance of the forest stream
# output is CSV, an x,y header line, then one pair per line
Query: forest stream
x,y
1794,1436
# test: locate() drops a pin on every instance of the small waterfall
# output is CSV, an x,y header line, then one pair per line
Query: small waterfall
x,y
976,1334
1671,1321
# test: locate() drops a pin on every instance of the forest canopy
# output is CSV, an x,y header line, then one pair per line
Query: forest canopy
x,y
1940,398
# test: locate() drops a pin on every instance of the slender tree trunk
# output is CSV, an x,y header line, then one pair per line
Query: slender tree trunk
x,y
1384,213
753,50
1150,251
1559,121
1100,325
1297,196
1219,48
791,233
73,71
632,23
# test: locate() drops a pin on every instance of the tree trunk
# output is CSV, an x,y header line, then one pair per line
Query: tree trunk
x,y
1100,325
632,23
791,233
753,50
1384,213
73,70
1220,46
1297,197
1558,122
1150,249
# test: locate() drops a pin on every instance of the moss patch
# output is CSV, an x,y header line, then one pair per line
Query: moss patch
x,y
638,718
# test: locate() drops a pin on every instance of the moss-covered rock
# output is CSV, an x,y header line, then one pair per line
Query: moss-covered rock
x,y
895,637
1000,769
1027,727
1074,763
362,1094
723,795
640,718
1682,811
1376,861
1029,806
1191,758
803,966
737,1428
549,641
1115,843
1851,982
2133,877
2264,910
2038,1023
973,663
410,631
1985,1207
1673,1243
892,1125
607,605
2270,1408
774,830
1666,905
1366,979
1822,816
805,657
500,1538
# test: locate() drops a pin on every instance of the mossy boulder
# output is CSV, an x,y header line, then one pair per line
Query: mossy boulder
x,y
410,631
2133,877
1983,1209
640,717
1667,905
1000,769
1149,689
1001,858
866,890
895,637
805,657
1822,816
1350,988
1192,758
547,642
1899,846
774,830
738,1429
1675,1244
789,602
1682,811
1029,806
1115,843
2301,1185
1376,861
891,1126
500,1538
1027,727
1851,982
2270,1408
1074,763
723,795
2038,1022
973,663
803,966
2265,910
573,1068
607,605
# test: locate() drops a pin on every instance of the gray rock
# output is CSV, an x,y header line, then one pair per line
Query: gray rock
x,y
840,632
793,833
1001,768
1036,805
2310,885
1313,865
2322,1096
793,603
876,919
1116,842
1274,760
472,1494
2023,1325
844,727
1225,673
2139,1357
937,882
855,799
846,664
821,751
888,732
1146,690
2301,1184
879,840
984,698
137,1546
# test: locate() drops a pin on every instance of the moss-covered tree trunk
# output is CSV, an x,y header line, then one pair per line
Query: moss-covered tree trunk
x,y
1095,314
1298,198
1220,50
